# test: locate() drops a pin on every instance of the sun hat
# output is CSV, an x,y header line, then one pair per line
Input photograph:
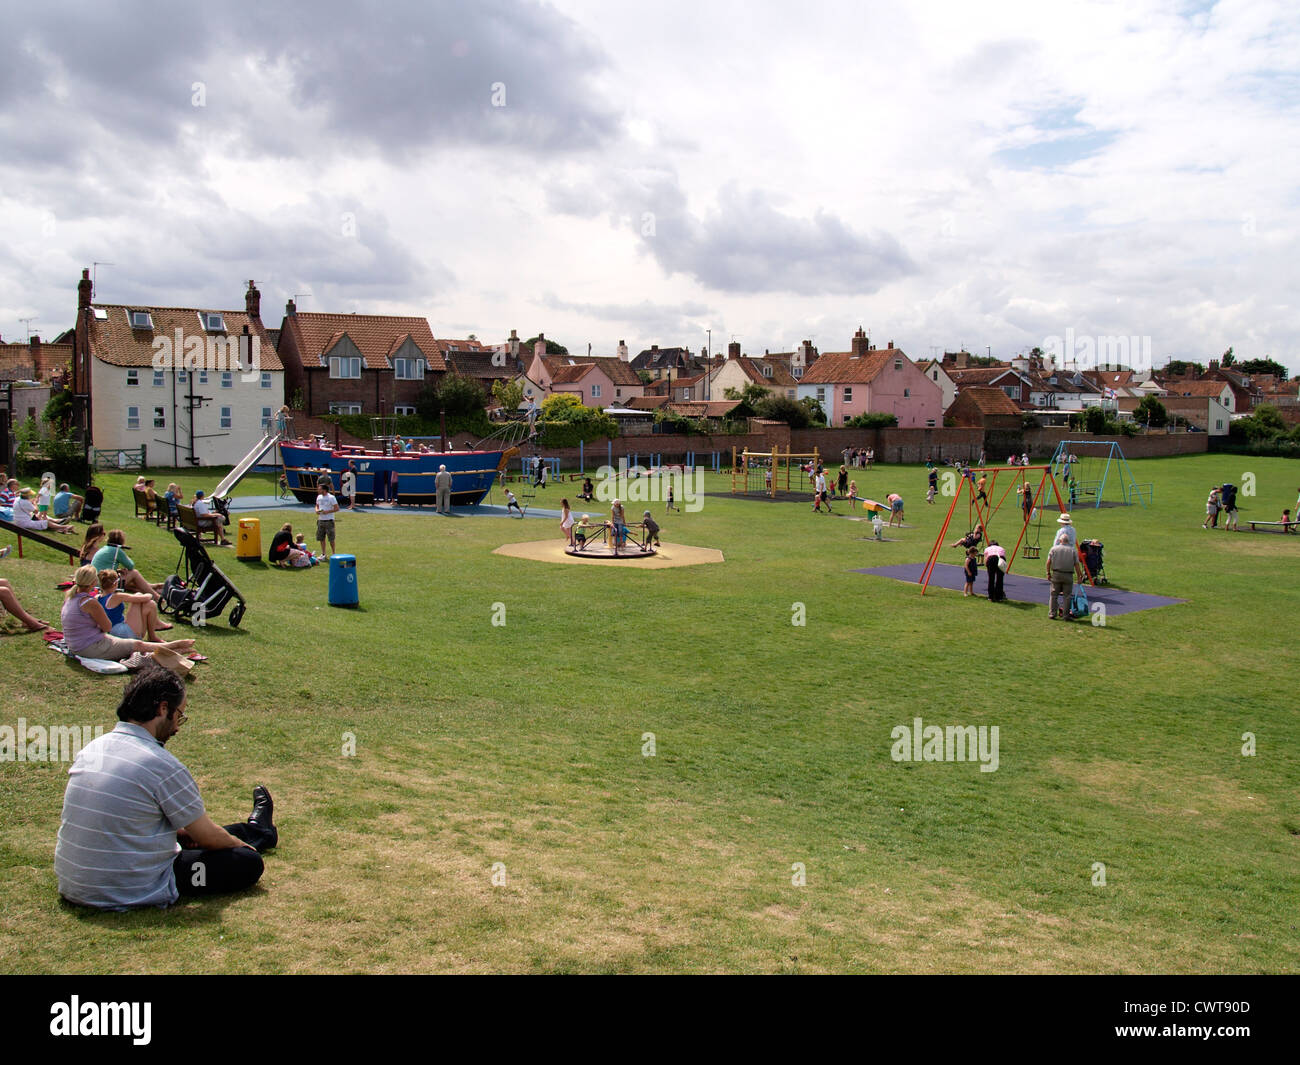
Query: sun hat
x,y
1064,519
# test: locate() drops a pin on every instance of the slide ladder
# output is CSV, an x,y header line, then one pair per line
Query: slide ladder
x,y
245,464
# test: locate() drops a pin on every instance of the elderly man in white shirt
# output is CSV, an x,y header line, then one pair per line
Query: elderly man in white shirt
x,y
205,515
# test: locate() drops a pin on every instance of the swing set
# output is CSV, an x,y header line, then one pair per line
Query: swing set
x,y
1086,476
981,510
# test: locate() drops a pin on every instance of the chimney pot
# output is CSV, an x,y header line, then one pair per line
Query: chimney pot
x,y
253,301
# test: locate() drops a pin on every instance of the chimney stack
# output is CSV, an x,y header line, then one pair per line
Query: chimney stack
x,y
733,350
290,309
622,351
860,344
253,302
84,287
891,345
539,345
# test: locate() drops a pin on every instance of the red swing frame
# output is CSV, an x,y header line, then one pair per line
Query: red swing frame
x,y
986,512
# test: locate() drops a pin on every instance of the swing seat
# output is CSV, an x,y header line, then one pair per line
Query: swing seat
x,y
1031,552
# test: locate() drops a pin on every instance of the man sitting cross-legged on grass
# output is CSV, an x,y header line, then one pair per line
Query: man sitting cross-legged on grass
x,y
129,802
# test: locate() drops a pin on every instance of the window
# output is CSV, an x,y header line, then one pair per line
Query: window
x,y
160,417
266,418
227,379
845,419
266,378
595,391
345,408
767,370
399,409
157,379
101,315
929,423
182,376
848,395
796,372
133,417
1218,423
405,369
1012,390
227,419
618,393
141,319
132,378
898,364
907,392
821,395
203,377
212,322
345,368
789,392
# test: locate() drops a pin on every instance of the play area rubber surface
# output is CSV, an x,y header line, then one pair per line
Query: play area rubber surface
x,y
1022,589
668,555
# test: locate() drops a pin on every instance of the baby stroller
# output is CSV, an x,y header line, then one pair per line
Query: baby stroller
x,y
1092,555
204,591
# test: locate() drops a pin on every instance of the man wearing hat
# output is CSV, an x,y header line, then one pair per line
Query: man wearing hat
x,y
1067,527
26,517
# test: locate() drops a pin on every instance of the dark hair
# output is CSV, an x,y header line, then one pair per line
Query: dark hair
x,y
117,537
148,690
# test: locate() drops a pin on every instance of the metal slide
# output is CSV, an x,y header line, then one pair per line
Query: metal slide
x,y
247,463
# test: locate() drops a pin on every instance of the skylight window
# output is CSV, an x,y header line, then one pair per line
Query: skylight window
x,y
101,315
213,322
141,320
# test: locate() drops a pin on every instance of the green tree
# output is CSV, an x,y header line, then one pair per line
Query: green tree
x,y
460,397
1228,358
58,411
1094,419
1253,366
552,348
877,419
1178,367
509,394
783,409
1151,412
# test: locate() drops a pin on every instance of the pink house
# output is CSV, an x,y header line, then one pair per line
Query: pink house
x,y
873,380
598,382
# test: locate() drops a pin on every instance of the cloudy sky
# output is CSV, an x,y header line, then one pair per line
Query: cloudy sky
x,y
941,173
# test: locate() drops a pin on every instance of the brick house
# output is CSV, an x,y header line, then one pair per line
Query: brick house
x,y
357,363
983,407
34,361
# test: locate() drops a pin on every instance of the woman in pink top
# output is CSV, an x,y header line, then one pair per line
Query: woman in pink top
x,y
86,626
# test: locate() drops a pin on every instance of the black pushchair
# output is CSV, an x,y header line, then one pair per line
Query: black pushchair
x,y
1092,556
204,591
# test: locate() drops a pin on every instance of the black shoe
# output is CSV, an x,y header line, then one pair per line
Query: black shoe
x,y
263,808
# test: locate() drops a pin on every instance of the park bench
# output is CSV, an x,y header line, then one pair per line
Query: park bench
x,y
191,523
49,541
1284,526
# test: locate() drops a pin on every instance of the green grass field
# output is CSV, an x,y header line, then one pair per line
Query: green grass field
x,y
525,744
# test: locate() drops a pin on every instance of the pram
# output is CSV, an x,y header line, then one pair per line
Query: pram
x,y
1092,556
204,591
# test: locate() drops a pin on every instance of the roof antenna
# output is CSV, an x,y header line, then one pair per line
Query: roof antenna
x,y
28,323
95,274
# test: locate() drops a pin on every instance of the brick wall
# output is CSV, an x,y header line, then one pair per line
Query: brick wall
x,y
1042,442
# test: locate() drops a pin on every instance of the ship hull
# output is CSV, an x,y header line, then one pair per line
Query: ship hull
x,y
403,480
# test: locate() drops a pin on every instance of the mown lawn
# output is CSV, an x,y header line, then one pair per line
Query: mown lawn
x,y
523,744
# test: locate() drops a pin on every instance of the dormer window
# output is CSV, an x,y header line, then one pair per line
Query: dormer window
x,y
767,370
408,369
141,319
212,321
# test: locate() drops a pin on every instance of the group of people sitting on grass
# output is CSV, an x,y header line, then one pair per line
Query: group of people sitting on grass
x,y
31,508
290,552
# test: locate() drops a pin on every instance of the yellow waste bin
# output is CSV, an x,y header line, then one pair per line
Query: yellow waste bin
x,y
249,544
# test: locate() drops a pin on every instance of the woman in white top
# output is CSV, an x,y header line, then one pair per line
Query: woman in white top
x,y
25,516
566,521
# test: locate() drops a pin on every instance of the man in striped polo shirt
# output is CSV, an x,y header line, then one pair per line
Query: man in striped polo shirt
x,y
134,830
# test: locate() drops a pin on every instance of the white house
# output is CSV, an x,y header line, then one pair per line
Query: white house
x,y
193,385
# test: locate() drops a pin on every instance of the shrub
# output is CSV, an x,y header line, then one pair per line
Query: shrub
x,y
873,420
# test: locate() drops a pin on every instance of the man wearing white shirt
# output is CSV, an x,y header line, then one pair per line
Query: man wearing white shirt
x,y
326,507
205,515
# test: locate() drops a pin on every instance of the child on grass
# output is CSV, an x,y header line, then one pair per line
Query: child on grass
x,y
971,569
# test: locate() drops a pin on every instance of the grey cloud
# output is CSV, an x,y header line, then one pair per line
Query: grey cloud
x,y
644,318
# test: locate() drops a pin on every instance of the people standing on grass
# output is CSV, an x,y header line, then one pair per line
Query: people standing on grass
x,y
326,507
618,524
853,495
895,502
512,503
651,529
1211,509
994,559
1063,567
348,485
842,482
971,568
566,521
442,490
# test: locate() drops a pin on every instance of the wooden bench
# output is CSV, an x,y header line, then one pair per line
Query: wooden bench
x,y
1285,526
73,553
191,523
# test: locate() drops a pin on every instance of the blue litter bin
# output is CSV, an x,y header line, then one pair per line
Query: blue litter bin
x,y
343,580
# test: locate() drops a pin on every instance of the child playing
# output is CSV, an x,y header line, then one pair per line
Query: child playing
x,y
651,529
971,569
853,494
582,530
512,503
671,504
300,544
